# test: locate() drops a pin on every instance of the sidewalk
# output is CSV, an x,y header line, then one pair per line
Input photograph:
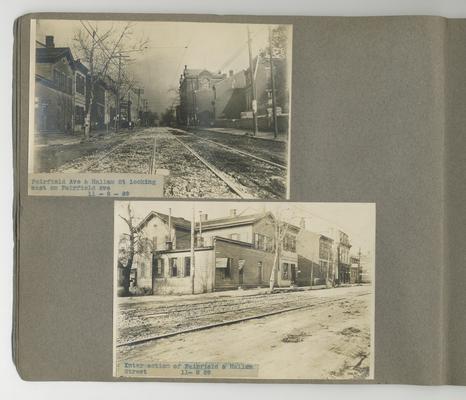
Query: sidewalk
x,y
265,135
66,139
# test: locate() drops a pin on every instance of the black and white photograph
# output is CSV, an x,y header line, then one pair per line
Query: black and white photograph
x,y
244,290
160,109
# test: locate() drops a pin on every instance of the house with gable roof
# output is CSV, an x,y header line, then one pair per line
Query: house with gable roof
x,y
230,252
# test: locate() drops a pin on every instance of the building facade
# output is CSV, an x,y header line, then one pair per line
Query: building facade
x,y
54,89
231,252
197,105
315,259
344,261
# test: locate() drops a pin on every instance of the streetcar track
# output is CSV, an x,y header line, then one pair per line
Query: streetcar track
x,y
235,187
242,152
231,179
232,321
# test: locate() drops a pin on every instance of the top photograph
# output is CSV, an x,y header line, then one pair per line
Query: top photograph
x,y
182,109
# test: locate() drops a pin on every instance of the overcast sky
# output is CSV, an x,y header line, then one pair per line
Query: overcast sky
x,y
211,46
355,219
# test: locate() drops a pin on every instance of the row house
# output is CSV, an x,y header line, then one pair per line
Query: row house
x,y
230,252
62,92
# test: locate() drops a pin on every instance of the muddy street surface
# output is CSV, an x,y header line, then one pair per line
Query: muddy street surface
x,y
200,164
327,335
275,151
258,178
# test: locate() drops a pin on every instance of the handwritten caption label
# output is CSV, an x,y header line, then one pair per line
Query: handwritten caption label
x,y
187,370
96,185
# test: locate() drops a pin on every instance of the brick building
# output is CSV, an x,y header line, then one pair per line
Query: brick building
x,y
197,96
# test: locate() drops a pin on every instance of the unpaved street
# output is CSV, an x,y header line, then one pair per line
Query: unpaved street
x,y
330,338
203,165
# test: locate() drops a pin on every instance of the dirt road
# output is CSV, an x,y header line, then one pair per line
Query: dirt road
x,y
329,339
219,167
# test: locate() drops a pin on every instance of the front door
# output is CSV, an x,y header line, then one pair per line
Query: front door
x,y
259,272
293,273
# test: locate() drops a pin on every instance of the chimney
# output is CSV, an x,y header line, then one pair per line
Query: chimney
x,y
230,73
233,212
203,217
302,223
49,41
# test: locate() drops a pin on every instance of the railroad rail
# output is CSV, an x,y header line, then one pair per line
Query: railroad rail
x,y
232,149
235,187
236,320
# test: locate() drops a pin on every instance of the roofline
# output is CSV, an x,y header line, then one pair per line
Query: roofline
x,y
184,250
146,219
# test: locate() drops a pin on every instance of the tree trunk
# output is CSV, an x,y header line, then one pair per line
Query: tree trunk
x,y
126,281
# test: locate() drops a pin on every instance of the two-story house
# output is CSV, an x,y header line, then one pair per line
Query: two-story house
x,y
54,105
230,252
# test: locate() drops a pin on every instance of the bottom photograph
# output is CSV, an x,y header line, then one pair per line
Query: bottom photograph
x,y
244,290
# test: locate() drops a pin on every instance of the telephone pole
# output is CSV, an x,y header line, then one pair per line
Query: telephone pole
x,y
118,111
253,85
272,79
193,222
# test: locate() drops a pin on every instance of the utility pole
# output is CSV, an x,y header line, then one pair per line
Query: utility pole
x,y
200,227
170,225
87,127
118,111
253,85
272,79
139,100
359,267
193,221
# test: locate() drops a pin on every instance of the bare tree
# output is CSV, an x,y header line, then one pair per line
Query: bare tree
x,y
128,250
280,231
103,52
132,243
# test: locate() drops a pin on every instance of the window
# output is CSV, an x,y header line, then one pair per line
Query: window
x,y
289,243
223,266
228,268
80,86
187,266
79,115
56,77
262,242
173,267
160,270
285,271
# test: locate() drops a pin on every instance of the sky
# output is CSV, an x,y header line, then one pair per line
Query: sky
x,y
171,45
355,219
